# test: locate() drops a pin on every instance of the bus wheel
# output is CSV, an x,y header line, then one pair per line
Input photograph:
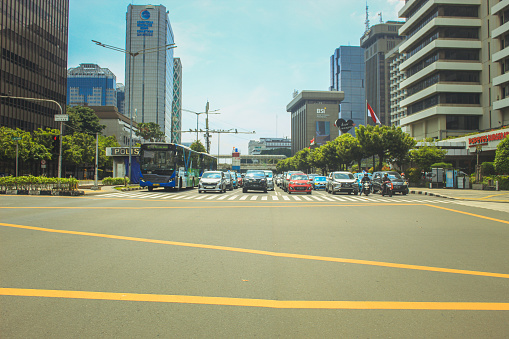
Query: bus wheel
x,y
150,189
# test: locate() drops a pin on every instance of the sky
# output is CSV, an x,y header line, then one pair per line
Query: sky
x,y
245,57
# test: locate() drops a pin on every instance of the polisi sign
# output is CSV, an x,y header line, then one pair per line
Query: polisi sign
x,y
122,151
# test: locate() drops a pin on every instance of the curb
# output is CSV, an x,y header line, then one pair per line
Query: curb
x,y
75,193
452,198
131,189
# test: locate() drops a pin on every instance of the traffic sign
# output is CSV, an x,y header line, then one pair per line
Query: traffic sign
x,y
61,117
43,162
16,138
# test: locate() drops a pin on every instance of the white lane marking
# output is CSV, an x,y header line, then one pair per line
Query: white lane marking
x,y
316,198
296,198
211,197
254,197
233,197
244,197
222,197
200,197
264,198
275,198
285,197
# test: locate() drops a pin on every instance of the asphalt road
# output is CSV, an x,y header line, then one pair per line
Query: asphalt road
x,y
183,264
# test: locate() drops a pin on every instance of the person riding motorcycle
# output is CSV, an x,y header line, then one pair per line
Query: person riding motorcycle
x,y
385,180
363,180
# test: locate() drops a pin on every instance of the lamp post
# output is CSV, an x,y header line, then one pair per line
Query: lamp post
x,y
207,112
131,83
61,114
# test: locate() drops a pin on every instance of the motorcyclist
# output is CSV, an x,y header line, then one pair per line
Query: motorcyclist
x,y
385,179
363,180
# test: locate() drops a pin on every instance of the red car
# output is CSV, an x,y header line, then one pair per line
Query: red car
x,y
299,183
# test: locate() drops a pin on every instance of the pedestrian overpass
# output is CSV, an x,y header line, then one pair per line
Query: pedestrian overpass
x,y
250,162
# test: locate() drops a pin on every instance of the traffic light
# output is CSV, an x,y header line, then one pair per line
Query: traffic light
x,y
56,143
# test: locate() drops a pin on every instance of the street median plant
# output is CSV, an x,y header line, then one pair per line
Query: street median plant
x,y
33,183
115,181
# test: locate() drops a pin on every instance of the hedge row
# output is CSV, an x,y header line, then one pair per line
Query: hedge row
x,y
115,181
31,182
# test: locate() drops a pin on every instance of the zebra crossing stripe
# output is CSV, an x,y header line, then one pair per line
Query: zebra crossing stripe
x,y
338,199
200,197
264,198
253,197
211,197
244,197
316,198
285,197
222,197
275,197
233,197
327,198
296,198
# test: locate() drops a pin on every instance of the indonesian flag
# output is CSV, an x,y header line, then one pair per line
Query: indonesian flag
x,y
312,141
372,114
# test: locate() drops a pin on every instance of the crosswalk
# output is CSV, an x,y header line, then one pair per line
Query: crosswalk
x,y
279,197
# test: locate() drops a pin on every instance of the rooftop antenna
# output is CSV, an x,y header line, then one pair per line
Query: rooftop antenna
x,y
367,17
380,15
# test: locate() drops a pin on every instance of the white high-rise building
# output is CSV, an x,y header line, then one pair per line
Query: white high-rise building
x,y
149,75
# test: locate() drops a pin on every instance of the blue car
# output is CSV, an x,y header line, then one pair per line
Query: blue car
x,y
319,183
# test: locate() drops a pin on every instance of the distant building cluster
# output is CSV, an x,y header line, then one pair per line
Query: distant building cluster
x,y
257,147
442,71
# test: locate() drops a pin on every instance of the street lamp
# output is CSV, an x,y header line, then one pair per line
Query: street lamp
x,y
61,113
131,85
197,115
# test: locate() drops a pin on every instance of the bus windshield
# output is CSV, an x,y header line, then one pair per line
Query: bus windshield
x,y
158,160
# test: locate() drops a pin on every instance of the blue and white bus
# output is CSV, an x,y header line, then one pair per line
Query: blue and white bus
x,y
172,166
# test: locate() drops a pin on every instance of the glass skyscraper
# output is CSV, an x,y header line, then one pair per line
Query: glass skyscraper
x,y
347,74
91,85
149,75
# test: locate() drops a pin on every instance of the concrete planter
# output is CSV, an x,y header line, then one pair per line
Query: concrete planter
x,y
34,192
478,186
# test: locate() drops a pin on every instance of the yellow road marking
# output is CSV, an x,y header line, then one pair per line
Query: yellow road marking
x,y
267,253
471,214
280,304
494,195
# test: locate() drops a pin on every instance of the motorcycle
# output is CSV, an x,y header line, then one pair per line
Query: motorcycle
x,y
387,188
365,188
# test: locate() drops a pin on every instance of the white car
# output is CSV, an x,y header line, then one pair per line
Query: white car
x,y
270,180
212,181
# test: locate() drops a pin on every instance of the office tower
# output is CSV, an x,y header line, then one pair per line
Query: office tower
x,y
149,74
33,39
376,42
396,94
313,117
450,67
498,115
91,85
347,75
176,108
121,98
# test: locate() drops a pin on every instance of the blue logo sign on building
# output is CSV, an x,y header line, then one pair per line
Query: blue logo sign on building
x,y
144,26
145,15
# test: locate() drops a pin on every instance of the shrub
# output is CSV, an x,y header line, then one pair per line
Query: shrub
x,y
38,183
441,165
502,157
114,181
488,168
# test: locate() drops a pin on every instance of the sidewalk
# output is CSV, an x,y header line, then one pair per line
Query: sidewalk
x,y
463,194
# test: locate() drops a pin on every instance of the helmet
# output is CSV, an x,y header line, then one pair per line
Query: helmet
x,y
366,174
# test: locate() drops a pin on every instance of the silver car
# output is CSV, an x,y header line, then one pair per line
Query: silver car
x,y
270,180
342,182
212,181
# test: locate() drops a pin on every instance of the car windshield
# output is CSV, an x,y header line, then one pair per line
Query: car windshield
x,y
320,179
268,174
211,175
299,177
394,175
343,176
255,174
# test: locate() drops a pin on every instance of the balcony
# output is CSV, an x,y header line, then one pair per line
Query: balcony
x,y
441,88
442,65
501,79
500,104
500,30
499,7
500,54
442,110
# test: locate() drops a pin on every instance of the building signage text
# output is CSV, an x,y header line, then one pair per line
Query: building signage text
x,y
484,139
144,25
122,151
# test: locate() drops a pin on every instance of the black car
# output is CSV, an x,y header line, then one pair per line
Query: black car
x,y
255,180
399,184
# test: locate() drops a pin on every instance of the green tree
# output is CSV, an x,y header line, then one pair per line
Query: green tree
x,y
83,120
372,142
197,146
425,156
302,160
502,157
398,144
78,149
150,131
106,162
